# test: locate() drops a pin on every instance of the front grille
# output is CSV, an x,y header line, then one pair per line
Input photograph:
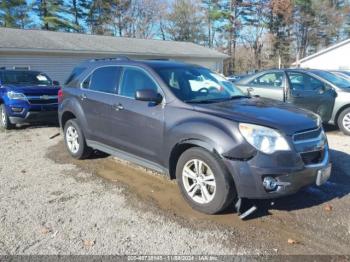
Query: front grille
x,y
42,102
311,158
42,99
307,135
311,145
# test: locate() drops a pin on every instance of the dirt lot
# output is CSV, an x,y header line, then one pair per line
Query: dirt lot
x,y
51,204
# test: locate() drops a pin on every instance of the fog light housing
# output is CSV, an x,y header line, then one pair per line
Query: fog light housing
x,y
17,109
270,183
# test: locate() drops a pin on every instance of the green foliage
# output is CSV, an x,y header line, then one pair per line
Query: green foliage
x,y
14,13
185,22
51,15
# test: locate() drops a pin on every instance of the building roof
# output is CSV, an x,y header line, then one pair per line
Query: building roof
x,y
323,51
61,42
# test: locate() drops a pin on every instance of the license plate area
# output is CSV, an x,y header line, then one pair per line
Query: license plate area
x,y
323,175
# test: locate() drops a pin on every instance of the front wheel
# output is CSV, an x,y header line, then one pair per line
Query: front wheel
x,y
204,181
344,121
5,121
75,140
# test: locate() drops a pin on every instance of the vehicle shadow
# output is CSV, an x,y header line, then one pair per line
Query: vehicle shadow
x,y
337,186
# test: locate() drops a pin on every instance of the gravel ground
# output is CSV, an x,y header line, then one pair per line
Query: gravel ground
x,y
51,204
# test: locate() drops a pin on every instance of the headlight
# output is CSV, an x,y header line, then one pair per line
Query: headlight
x,y
264,139
15,95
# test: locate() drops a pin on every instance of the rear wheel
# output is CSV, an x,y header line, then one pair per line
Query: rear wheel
x,y
75,140
5,121
344,121
204,181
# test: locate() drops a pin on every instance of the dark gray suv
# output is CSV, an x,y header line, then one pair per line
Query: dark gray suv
x,y
195,126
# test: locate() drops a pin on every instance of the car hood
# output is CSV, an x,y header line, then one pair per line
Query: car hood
x,y
266,112
33,89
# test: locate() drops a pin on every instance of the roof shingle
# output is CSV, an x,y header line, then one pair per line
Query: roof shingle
x,y
48,41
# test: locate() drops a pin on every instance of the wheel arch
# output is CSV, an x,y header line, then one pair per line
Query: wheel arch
x,y
339,112
66,116
181,147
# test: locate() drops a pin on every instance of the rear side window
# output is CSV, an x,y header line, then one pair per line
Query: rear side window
x,y
135,79
104,79
72,79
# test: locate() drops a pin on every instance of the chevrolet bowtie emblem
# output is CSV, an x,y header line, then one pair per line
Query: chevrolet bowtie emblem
x,y
45,97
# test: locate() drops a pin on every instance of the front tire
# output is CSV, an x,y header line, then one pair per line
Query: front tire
x,y
4,119
75,140
344,121
204,182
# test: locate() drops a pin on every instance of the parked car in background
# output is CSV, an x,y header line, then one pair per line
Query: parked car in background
x,y
319,91
343,74
235,78
26,97
169,116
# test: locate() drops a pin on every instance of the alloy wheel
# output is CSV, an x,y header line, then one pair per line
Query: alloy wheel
x,y
346,122
72,138
199,181
3,117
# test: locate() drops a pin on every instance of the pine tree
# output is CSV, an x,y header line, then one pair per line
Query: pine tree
x,y
51,15
78,10
14,13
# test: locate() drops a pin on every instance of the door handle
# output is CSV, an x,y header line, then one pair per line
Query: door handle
x,y
118,107
82,97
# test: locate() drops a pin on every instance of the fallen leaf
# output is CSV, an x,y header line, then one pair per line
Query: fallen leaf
x,y
328,207
45,230
23,171
292,241
89,243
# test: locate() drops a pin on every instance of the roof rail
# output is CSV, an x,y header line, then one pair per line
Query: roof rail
x,y
159,59
123,58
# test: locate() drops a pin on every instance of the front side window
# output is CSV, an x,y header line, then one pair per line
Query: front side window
x,y
304,82
104,79
25,78
274,79
194,84
135,79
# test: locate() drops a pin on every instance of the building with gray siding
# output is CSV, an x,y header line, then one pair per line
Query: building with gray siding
x,y
56,53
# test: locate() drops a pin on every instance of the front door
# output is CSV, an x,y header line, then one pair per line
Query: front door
x,y
140,124
310,93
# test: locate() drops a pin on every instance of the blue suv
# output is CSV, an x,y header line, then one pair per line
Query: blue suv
x,y
27,97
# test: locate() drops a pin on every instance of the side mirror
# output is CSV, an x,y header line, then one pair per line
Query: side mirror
x,y
55,83
148,95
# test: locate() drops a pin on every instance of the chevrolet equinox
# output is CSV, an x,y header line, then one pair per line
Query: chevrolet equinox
x,y
195,126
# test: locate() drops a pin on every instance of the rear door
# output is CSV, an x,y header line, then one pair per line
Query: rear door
x,y
269,85
310,93
140,124
98,99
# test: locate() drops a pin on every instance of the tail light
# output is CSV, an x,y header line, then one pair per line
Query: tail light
x,y
60,96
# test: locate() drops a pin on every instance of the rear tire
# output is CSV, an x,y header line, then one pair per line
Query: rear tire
x,y
344,121
204,181
75,140
4,119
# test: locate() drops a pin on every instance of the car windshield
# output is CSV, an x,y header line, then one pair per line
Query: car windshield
x,y
25,78
335,80
198,85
